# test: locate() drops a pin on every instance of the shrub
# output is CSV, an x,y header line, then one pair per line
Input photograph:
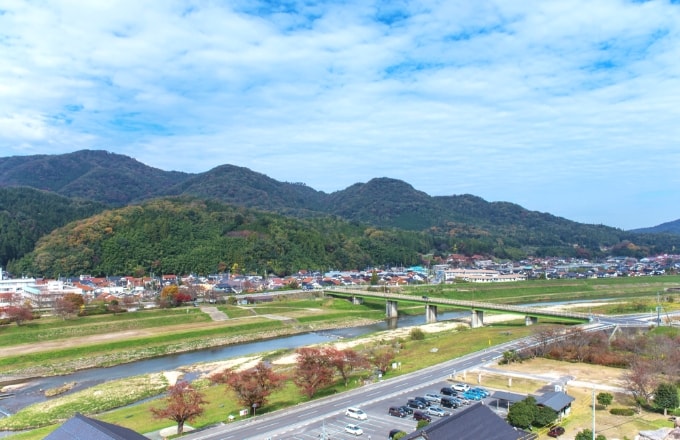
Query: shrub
x,y
622,411
417,334
605,399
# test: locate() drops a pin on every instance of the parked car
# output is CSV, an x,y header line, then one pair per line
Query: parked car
x,y
437,411
556,431
483,391
354,430
423,400
460,386
419,415
448,391
415,404
394,432
471,396
450,402
433,397
396,412
406,410
356,413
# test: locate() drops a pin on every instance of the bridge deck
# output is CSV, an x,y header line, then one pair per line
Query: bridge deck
x,y
472,305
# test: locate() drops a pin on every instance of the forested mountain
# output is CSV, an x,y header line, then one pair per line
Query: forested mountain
x,y
459,223
182,235
26,214
668,227
100,176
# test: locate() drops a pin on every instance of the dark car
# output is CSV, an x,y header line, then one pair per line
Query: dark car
x,y
448,391
450,402
394,432
412,403
423,400
419,415
406,409
556,431
396,412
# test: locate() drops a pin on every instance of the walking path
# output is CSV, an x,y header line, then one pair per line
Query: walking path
x,y
215,313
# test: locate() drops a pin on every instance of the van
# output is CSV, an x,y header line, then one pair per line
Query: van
x,y
356,413
419,415
396,412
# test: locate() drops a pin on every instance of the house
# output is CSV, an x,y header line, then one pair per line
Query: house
x,y
80,427
557,400
473,423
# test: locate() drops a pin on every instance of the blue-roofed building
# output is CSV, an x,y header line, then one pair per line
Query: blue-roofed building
x,y
80,427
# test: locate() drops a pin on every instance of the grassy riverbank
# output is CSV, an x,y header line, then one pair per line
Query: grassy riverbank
x,y
54,346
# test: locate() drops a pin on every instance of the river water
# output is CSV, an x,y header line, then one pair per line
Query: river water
x,y
32,391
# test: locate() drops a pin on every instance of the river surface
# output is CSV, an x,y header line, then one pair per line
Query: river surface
x,y
32,391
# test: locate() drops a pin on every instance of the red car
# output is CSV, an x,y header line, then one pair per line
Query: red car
x,y
556,431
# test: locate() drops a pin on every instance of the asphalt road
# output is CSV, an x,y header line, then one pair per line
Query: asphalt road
x,y
310,420
324,418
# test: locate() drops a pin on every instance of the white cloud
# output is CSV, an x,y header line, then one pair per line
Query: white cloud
x,y
559,106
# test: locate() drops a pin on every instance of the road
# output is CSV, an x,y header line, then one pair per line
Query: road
x,y
325,416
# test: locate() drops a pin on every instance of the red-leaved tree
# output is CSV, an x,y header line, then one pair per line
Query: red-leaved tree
x,y
183,403
252,386
381,357
313,371
345,361
19,314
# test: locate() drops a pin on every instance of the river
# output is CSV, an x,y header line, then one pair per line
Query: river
x,y
32,391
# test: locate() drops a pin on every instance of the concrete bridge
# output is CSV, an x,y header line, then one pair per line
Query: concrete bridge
x,y
531,314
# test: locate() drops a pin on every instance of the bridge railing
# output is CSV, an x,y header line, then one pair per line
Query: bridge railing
x,y
522,310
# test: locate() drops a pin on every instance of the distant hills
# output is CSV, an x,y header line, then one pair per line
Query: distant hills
x,y
87,182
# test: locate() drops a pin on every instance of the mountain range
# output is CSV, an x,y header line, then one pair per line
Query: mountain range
x,y
89,181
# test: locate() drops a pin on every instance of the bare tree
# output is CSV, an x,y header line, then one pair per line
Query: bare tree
x,y
640,378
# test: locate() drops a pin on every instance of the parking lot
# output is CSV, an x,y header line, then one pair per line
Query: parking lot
x,y
379,423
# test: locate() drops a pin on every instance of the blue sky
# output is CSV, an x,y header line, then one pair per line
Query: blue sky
x,y
569,107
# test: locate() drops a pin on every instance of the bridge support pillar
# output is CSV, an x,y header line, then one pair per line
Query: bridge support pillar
x,y
477,319
357,300
391,309
430,313
530,320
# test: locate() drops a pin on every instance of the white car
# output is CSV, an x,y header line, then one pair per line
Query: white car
x,y
354,430
460,386
356,413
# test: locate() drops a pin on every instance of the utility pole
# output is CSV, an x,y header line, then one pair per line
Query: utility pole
x,y
593,413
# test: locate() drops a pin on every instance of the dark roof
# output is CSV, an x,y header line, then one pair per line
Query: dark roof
x,y
473,423
508,396
80,427
556,400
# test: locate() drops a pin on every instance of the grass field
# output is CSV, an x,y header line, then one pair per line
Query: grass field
x,y
58,346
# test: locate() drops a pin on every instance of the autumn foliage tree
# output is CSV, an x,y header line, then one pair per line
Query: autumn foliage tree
x,y
68,305
313,372
253,386
381,357
183,403
172,296
18,313
344,361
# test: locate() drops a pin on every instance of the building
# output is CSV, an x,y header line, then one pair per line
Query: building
x,y
80,427
476,422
